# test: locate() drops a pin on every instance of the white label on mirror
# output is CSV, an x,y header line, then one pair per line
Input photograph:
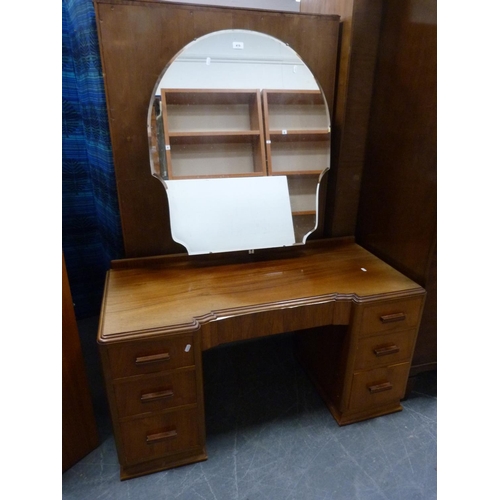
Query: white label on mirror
x,y
238,45
230,214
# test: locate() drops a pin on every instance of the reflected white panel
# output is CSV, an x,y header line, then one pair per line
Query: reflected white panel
x,y
230,214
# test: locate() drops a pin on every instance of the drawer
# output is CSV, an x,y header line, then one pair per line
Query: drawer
x,y
154,437
156,393
383,350
390,316
151,356
379,386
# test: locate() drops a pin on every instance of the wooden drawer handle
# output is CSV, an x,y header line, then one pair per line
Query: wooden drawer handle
x,y
385,350
153,358
154,396
385,386
160,436
391,318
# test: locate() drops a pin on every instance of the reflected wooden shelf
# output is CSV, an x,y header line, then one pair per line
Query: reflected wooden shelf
x,y
246,133
213,133
297,135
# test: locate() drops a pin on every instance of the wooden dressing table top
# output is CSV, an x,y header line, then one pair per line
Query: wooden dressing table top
x,y
177,293
160,313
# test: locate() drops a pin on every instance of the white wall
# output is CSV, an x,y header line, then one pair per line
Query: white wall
x,y
261,62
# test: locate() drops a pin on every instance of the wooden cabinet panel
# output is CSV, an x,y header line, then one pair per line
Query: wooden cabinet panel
x,y
249,326
391,316
159,392
155,395
79,429
160,435
397,218
380,350
151,357
379,386
309,316
425,354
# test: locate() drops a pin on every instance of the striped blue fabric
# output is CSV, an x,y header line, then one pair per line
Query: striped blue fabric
x,y
91,229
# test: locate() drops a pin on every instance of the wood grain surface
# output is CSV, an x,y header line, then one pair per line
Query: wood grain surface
x,y
178,294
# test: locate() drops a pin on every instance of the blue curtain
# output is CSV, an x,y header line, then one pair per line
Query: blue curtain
x,y
91,229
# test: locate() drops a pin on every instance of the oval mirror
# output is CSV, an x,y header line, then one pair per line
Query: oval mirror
x,y
239,135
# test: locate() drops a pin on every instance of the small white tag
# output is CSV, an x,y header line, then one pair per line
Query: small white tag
x,y
284,132
188,348
268,141
167,147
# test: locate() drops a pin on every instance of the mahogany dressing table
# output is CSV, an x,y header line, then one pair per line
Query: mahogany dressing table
x,y
160,313
263,146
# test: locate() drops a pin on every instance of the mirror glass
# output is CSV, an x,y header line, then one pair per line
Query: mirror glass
x,y
239,135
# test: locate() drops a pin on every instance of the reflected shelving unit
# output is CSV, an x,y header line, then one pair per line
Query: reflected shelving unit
x,y
205,133
297,133
212,133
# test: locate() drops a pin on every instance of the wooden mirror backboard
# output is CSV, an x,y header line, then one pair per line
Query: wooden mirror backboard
x,y
137,40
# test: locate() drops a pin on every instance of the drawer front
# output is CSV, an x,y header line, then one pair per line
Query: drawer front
x,y
142,357
390,316
378,387
150,394
383,350
159,436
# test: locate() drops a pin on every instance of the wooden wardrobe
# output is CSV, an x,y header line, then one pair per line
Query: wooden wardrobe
x,y
386,117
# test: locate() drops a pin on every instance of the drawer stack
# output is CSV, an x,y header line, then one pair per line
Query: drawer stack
x,y
361,371
155,397
383,348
